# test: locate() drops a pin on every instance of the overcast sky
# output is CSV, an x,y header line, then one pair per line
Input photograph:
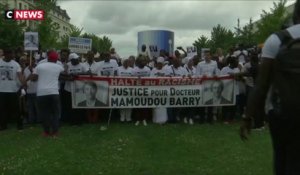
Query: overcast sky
x,y
121,20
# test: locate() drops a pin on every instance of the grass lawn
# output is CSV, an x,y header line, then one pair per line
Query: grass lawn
x,y
125,149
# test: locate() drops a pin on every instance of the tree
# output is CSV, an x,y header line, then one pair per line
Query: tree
x,y
104,44
202,42
272,21
246,35
221,38
12,34
47,29
74,32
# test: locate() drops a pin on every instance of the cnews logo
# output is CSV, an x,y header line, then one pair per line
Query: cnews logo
x,y
24,14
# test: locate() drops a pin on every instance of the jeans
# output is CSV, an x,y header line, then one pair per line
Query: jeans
x,y
49,111
32,108
10,109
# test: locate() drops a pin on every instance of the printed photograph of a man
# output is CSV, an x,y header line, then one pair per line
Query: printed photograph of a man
x,y
31,41
90,90
216,89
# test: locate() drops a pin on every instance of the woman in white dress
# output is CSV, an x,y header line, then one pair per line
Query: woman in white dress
x,y
159,114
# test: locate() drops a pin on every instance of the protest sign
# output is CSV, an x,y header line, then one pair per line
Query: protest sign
x,y
80,45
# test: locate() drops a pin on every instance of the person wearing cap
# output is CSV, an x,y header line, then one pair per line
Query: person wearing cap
x,y
125,71
74,67
159,114
47,75
11,75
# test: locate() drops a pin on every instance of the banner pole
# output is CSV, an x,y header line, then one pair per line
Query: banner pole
x,y
109,117
30,58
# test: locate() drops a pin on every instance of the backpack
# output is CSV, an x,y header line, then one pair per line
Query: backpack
x,y
286,80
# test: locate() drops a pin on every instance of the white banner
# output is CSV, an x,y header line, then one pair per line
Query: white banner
x,y
80,45
120,92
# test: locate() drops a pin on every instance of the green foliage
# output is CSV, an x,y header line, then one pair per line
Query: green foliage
x,y
272,21
11,32
129,150
246,35
250,34
48,34
221,38
73,32
100,44
202,42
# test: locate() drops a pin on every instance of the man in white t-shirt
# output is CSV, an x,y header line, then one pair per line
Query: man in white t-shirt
x,y
231,69
207,68
11,76
241,54
48,99
73,68
90,64
284,127
107,67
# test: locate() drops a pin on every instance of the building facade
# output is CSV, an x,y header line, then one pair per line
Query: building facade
x,y
59,16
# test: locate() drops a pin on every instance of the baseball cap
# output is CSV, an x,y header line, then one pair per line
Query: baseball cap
x,y
160,60
73,56
52,56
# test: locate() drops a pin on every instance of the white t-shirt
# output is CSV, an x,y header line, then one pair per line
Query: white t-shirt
x,y
226,71
190,72
77,69
91,67
9,81
176,72
31,85
122,72
107,68
158,73
270,51
138,72
241,55
208,69
248,79
47,83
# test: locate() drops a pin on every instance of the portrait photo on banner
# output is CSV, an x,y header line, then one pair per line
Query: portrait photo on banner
x,y
90,94
218,92
31,41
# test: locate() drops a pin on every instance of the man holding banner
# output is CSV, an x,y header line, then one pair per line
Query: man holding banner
x,y
205,68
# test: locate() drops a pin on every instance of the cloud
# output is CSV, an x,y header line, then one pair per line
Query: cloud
x,y
121,20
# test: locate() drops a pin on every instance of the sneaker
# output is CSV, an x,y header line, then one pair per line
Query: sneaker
x,y
122,119
45,134
145,122
54,135
191,122
185,120
137,123
259,129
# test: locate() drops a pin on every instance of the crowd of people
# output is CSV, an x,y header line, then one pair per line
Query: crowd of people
x,y
38,89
